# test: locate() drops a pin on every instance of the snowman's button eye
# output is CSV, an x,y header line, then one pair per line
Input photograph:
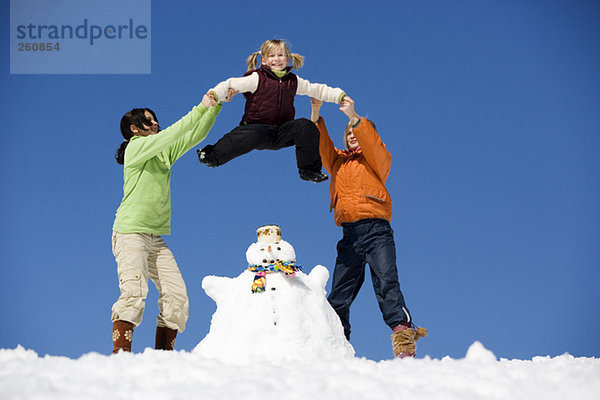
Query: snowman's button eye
x,y
279,248
262,249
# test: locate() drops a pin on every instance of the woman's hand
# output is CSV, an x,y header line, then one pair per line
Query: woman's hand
x,y
208,100
315,105
347,107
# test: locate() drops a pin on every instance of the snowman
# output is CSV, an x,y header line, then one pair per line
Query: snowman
x,y
272,311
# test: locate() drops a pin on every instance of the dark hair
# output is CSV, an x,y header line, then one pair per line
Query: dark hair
x,y
135,117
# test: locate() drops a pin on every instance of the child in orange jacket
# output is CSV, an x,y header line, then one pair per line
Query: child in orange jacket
x,y
363,208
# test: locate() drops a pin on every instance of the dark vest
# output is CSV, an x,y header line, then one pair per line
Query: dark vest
x,y
273,101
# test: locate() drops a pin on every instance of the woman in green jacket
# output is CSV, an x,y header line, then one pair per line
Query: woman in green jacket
x,y
147,155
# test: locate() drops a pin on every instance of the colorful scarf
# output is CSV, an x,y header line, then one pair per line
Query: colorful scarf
x,y
260,279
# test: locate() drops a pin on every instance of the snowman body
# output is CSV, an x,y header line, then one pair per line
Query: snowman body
x,y
288,319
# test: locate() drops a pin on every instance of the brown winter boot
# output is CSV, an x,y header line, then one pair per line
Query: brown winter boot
x,y
122,335
404,340
165,338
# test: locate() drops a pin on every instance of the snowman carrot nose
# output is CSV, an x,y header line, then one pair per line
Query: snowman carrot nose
x,y
269,248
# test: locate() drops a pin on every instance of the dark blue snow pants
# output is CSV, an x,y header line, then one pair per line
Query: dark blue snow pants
x,y
367,241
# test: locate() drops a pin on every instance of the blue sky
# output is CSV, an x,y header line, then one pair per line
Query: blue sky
x,y
489,108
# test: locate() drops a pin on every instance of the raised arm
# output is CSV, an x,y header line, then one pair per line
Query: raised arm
x,y
320,91
142,148
199,132
327,149
242,84
373,148
315,108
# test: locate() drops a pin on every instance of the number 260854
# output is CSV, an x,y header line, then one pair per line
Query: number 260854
x,y
38,47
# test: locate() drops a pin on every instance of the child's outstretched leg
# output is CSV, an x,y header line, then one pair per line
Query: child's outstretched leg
x,y
239,141
305,135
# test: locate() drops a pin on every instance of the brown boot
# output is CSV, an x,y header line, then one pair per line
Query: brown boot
x,y
122,335
165,338
404,340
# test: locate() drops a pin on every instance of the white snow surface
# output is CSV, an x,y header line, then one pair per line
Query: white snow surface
x,y
187,375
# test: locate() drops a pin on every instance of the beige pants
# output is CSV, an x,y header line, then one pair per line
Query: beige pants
x,y
141,256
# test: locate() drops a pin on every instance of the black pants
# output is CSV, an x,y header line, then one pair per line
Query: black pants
x,y
367,241
247,137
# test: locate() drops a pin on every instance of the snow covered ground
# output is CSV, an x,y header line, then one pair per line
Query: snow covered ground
x,y
287,343
187,375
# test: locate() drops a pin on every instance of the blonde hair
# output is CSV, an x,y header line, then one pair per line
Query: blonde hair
x,y
349,127
346,130
270,46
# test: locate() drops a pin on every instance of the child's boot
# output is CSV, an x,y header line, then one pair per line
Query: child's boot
x,y
165,338
122,335
313,176
206,157
404,338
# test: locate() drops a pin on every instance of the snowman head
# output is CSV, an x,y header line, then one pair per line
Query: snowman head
x,y
269,247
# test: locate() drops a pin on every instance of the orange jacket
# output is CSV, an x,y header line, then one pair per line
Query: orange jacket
x,y
357,187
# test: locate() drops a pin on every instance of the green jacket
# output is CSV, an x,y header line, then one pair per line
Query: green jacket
x,y
146,204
